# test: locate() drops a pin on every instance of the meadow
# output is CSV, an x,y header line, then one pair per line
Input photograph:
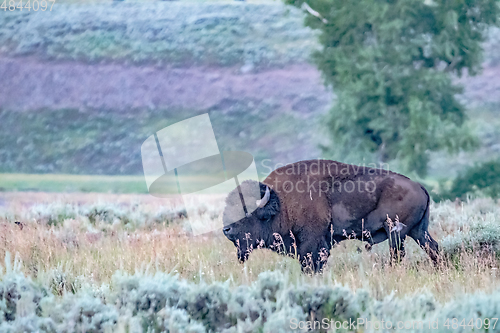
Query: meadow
x,y
252,38
72,183
98,262
83,248
164,33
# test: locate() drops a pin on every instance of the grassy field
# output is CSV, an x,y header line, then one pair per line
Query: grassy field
x,y
84,252
88,183
175,33
72,141
121,262
72,183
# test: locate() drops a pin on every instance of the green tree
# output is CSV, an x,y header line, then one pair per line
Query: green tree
x,y
390,63
480,179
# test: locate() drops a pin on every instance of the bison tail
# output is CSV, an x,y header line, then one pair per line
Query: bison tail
x,y
426,211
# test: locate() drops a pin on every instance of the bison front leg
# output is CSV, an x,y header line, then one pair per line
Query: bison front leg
x,y
313,256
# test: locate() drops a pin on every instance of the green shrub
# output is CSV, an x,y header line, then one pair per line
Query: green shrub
x,y
476,236
480,180
96,214
163,303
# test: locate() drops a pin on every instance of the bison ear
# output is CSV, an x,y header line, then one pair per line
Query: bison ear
x,y
271,207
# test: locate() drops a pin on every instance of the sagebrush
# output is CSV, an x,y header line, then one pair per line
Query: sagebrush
x,y
76,262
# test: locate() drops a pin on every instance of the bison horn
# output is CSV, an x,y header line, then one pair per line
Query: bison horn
x,y
261,203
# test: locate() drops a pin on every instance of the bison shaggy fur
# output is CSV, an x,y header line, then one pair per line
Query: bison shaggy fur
x,y
312,205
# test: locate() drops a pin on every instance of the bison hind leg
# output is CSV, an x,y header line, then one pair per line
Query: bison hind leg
x,y
428,244
420,234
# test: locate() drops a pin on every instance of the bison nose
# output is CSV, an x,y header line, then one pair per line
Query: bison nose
x,y
226,230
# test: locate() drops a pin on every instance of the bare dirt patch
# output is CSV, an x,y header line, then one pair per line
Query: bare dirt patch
x,y
30,84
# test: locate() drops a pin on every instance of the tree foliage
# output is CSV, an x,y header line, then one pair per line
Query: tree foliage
x,y
391,64
479,180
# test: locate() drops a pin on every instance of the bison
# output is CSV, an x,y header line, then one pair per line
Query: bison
x,y
306,207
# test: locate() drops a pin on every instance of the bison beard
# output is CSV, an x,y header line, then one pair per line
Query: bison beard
x,y
306,207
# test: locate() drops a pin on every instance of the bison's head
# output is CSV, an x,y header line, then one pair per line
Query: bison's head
x,y
248,216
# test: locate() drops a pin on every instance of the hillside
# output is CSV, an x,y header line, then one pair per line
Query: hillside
x,y
84,85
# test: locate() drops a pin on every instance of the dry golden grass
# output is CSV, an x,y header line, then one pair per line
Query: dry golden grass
x,y
79,251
